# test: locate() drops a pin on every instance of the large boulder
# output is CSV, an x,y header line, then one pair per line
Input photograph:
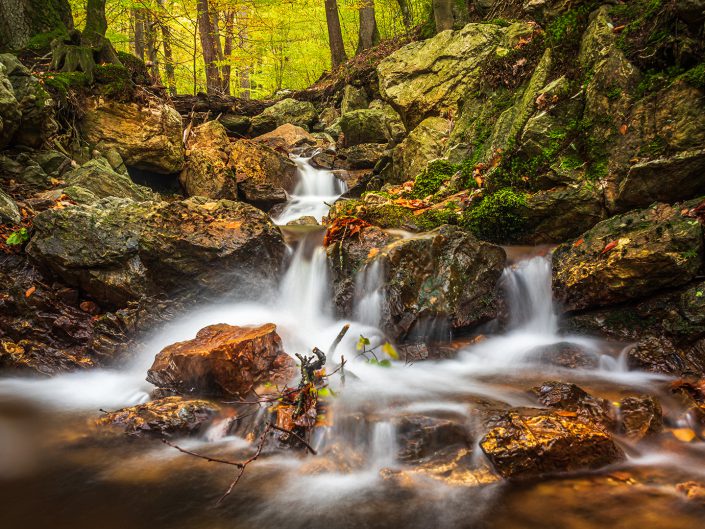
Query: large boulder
x,y
354,98
9,212
432,76
10,115
287,138
628,257
425,143
264,176
223,360
300,113
163,417
148,137
532,443
119,250
34,103
364,126
96,179
207,172
445,277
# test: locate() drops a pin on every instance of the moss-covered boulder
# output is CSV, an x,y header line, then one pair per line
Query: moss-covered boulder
x,y
354,98
444,278
364,126
300,113
96,179
628,257
119,250
148,137
207,172
425,143
10,115
432,76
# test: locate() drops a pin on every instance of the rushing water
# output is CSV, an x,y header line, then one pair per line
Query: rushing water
x,y
56,472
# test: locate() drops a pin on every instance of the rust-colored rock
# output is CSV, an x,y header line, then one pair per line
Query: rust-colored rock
x,y
170,415
521,445
287,137
223,360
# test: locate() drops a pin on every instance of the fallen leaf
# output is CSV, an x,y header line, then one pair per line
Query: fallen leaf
x,y
89,307
30,291
372,253
608,247
623,129
684,435
618,29
565,413
578,242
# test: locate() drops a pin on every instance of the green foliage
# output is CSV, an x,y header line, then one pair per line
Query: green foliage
x,y
18,238
499,217
695,76
433,218
433,177
41,43
136,67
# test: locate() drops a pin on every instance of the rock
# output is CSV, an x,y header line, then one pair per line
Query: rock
x,y
223,360
565,354
628,257
571,398
640,416
53,163
207,172
300,113
119,250
446,278
431,77
234,124
364,126
395,125
286,138
10,114
36,106
9,212
425,143
323,159
353,99
561,213
148,137
362,156
659,355
691,11
97,179
164,417
264,176
420,436
304,221
533,443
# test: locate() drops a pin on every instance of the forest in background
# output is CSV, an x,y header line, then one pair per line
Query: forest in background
x,y
260,46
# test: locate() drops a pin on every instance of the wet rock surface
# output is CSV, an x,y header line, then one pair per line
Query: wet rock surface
x,y
223,360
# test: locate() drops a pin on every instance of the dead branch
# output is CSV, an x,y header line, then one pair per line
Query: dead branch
x,y
297,436
338,339
201,456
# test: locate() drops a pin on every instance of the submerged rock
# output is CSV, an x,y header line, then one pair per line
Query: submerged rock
x,y
444,278
532,443
148,137
571,398
223,360
640,416
628,257
119,250
420,437
163,417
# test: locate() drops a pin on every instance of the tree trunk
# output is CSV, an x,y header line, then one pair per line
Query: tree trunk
x,y
138,42
244,71
208,46
335,35
405,13
151,41
20,20
226,69
168,54
215,21
443,14
96,22
368,35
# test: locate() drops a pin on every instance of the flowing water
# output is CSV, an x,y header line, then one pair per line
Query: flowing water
x,y
56,471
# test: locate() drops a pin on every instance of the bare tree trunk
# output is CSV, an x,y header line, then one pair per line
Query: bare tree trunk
x,y
244,72
226,69
443,14
368,35
215,21
208,46
335,34
168,54
138,24
405,13
150,33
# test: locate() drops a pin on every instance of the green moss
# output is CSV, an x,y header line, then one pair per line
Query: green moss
x,y
500,217
433,218
136,67
695,76
41,43
390,216
115,80
61,83
437,173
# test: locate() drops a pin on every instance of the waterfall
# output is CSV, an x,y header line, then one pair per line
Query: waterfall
x,y
527,287
305,289
316,190
369,294
383,449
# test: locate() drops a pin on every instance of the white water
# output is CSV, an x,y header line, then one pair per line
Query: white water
x,y
314,194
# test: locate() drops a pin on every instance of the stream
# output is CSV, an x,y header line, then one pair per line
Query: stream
x,y
56,472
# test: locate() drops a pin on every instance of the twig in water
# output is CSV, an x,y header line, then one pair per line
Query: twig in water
x,y
301,439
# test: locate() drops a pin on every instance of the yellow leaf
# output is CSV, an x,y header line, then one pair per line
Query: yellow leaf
x,y
685,435
390,351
